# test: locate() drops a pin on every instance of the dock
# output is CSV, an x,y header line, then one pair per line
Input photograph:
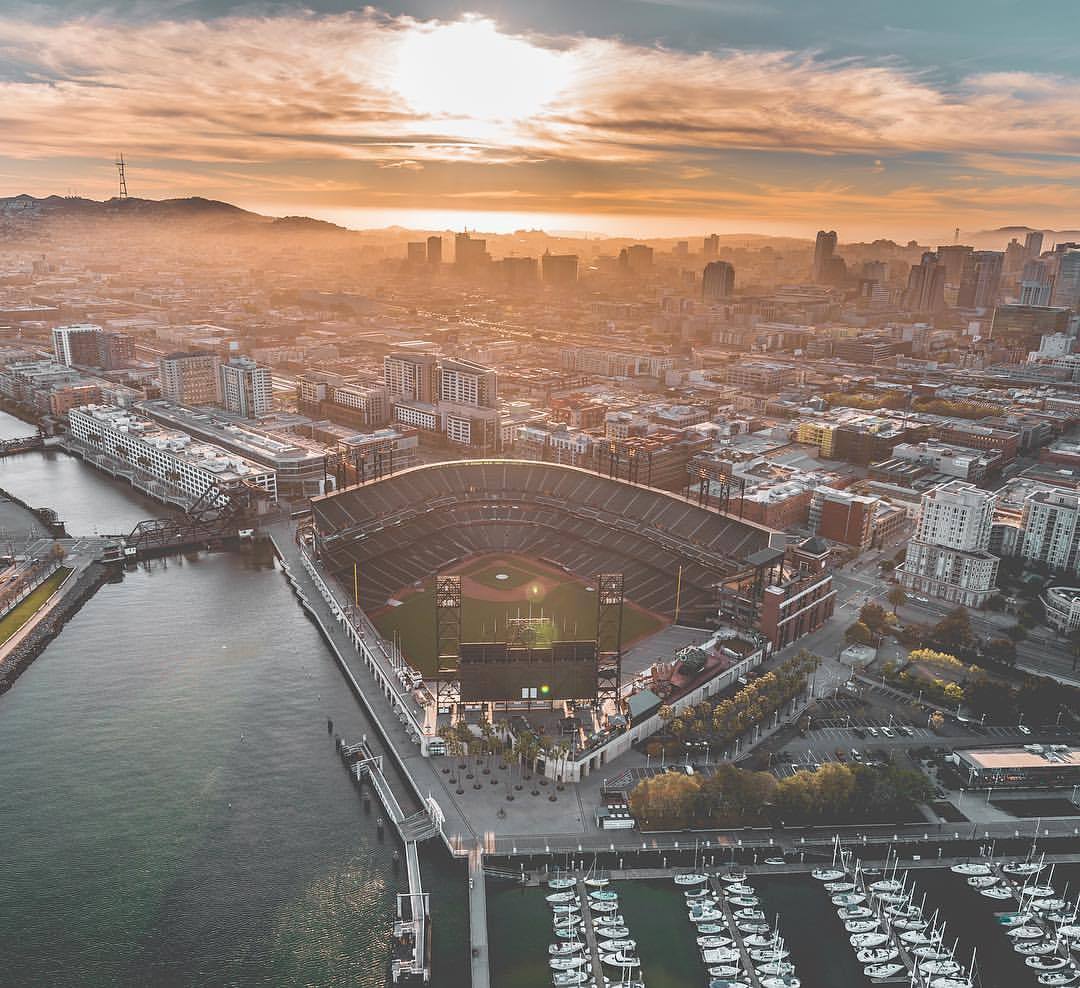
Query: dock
x,y
478,931
590,933
736,933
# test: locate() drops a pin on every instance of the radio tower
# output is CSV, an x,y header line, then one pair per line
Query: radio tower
x,y
123,179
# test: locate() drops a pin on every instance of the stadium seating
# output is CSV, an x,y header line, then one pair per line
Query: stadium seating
x,y
403,528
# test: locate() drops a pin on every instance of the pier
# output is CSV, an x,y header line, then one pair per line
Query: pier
x,y
590,933
736,933
411,959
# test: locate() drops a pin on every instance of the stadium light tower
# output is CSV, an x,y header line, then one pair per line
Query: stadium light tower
x,y
609,613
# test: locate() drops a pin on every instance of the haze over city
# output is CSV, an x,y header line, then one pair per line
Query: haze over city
x,y
641,118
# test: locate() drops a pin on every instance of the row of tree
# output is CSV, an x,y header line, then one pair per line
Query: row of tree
x,y
724,721
732,797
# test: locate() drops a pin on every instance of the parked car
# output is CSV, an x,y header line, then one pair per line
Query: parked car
x,y
856,755
887,732
872,731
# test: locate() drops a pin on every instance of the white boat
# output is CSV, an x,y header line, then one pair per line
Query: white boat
x,y
566,949
970,868
827,874
557,897
693,878
1025,933
714,941
725,971
562,908
1062,977
929,952
1034,948
697,894
760,940
886,885
596,881
706,915
708,929
764,954
849,899
733,876
561,883
753,927
620,960
612,932
1022,868
566,963
616,946
918,937
868,939
840,886
983,881
882,972
775,969
1051,905
996,892
570,932
563,978
739,888
748,913
781,981
877,955
1047,963
726,983
744,900
1039,892
602,896
1014,919
943,966
603,907
854,912
609,919
948,981
910,923
721,955
861,925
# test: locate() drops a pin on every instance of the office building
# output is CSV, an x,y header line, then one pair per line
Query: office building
x,y
1023,326
462,382
637,259
717,281
761,376
864,349
841,516
559,269
469,254
824,252
926,285
434,251
518,272
76,344
1033,243
948,556
416,252
981,281
411,376
957,260
711,247
246,387
192,378
1067,281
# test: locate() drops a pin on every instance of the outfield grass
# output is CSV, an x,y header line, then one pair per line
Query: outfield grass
x,y
16,618
572,607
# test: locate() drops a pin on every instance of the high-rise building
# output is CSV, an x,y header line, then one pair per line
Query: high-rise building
x,y
712,247
926,285
246,387
434,251
717,281
1067,281
637,258
980,283
1033,244
1023,326
1037,282
76,344
559,269
956,258
416,252
464,382
411,376
1050,530
824,251
948,556
518,271
682,249
192,378
469,254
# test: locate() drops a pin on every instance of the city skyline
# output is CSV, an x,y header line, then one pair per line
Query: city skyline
x,y
678,118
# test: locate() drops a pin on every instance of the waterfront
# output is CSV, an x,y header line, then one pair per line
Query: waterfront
x,y
174,810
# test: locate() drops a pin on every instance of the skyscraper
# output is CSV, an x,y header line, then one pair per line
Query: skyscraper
x,y
434,251
1033,243
637,258
926,285
77,344
712,247
1067,281
246,387
717,281
980,282
956,258
824,251
559,269
469,254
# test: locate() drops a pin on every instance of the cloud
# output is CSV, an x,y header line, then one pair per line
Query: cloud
x,y
407,165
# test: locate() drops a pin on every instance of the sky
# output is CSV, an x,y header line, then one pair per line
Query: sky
x,y
902,119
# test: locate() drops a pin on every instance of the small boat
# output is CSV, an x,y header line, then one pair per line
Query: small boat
x,y
566,963
1039,892
725,971
948,981
697,894
1014,919
854,912
1062,977
769,953
861,925
557,897
827,874
720,955
733,876
775,969
561,883
944,966
740,888
609,919
748,913
983,881
1047,963
1022,868
616,946
714,941
877,955
603,907
570,932
930,952
596,881
868,939
753,927
917,938
576,977
781,981
970,868
708,929
562,908
1025,933
882,972
565,949
602,896
886,885
620,960
775,861
726,983
910,923
1034,948
1049,905
706,916
612,932
693,878
996,892
744,900
840,886
849,899
760,940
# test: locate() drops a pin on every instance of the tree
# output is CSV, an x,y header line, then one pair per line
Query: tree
x,y
858,634
995,603
1001,650
874,617
953,632
1017,633
665,802
897,596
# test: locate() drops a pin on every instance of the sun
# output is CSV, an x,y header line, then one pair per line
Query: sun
x,y
468,70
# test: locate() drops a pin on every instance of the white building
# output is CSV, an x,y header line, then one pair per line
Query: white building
x,y
246,388
1062,606
184,464
75,344
1050,530
948,556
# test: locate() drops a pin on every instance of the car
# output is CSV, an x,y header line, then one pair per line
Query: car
x,y
921,600
1024,729
906,731
856,755
872,731
887,732
858,732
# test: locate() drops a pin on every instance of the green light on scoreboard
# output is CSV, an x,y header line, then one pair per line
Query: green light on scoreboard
x,y
545,689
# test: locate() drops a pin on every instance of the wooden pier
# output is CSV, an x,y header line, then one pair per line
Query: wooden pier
x,y
590,934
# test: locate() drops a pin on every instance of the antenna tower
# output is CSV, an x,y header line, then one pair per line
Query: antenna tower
x,y
956,236
123,177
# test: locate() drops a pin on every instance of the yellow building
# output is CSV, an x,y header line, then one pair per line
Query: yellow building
x,y
820,434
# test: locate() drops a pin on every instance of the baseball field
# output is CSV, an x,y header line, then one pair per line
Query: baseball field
x,y
496,589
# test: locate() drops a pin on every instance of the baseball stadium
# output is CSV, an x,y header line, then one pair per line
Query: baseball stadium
x,y
493,569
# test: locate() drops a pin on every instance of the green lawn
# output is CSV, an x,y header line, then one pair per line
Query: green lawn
x,y
485,573
16,618
570,604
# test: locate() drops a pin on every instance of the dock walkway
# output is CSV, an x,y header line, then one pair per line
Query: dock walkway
x,y
590,934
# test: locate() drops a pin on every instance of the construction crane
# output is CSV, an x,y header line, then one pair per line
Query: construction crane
x,y
123,177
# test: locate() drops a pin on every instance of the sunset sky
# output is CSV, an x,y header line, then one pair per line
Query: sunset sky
x,y
646,117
